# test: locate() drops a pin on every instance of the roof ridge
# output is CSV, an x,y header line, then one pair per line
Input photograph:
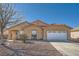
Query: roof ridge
x,y
39,21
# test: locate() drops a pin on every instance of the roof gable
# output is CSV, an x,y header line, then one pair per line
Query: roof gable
x,y
39,23
32,26
20,25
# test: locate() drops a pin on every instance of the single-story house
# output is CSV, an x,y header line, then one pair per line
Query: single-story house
x,y
75,34
38,30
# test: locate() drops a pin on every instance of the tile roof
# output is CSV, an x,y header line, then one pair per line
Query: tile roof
x,y
40,21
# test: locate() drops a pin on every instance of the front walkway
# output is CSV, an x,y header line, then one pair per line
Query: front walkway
x,y
67,48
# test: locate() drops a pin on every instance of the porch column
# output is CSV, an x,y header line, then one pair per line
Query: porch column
x,y
13,35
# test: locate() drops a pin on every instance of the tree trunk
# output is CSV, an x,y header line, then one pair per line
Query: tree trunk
x,y
1,34
2,41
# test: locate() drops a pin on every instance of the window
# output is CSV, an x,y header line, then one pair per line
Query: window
x,y
18,33
34,32
21,32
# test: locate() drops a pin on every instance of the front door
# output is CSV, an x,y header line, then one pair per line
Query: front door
x,y
34,35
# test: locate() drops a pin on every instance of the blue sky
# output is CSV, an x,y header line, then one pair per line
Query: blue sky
x,y
51,13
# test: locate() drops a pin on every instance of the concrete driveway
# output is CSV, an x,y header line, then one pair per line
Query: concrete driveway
x,y
67,48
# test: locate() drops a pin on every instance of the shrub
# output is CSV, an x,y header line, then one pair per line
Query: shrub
x,y
5,36
23,37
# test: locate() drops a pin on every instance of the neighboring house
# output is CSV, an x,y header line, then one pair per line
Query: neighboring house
x,y
40,31
75,34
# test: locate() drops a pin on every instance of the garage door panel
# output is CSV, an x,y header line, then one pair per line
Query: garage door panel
x,y
56,36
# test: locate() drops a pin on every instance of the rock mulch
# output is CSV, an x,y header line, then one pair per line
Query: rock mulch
x,y
30,48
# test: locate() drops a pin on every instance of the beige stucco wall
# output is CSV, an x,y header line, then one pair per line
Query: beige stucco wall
x,y
6,32
28,31
12,35
19,27
75,35
41,33
12,31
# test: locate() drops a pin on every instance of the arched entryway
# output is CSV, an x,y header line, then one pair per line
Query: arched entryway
x,y
34,35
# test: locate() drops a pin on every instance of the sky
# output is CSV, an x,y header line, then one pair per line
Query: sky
x,y
50,13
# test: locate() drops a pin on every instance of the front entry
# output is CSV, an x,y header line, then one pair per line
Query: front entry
x,y
34,35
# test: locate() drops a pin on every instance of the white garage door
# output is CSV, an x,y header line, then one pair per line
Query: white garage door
x,y
56,35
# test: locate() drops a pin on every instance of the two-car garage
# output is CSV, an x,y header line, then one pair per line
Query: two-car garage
x,y
56,35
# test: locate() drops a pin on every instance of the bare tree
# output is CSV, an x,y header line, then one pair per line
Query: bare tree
x,y
8,16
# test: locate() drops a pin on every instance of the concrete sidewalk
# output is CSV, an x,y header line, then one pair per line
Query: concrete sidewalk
x,y
67,48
